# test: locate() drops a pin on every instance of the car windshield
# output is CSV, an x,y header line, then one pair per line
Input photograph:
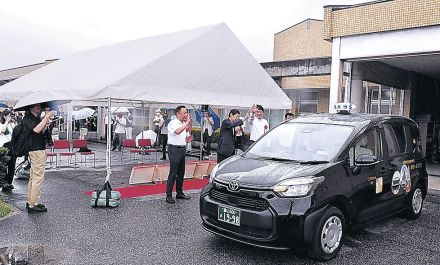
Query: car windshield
x,y
301,142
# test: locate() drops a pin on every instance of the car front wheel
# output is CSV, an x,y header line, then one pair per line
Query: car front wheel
x,y
329,234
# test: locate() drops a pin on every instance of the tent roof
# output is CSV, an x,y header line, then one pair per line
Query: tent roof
x,y
206,65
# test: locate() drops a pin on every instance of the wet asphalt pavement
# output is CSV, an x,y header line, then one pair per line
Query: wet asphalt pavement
x,y
148,231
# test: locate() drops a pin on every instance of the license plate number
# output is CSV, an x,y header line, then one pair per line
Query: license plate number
x,y
228,215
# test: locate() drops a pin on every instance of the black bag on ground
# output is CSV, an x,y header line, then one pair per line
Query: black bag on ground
x,y
105,197
20,140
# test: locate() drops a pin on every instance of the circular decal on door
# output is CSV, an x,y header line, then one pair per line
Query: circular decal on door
x,y
406,178
395,183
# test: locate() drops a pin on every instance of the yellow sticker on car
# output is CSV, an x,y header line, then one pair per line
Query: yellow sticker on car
x,y
379,185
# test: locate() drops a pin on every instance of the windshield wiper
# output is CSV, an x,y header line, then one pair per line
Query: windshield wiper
x,y
276,159
313,162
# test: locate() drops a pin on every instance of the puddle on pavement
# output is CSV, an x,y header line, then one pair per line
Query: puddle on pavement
x,y
22,255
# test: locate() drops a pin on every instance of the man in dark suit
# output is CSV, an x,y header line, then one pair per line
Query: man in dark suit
x,y
226,145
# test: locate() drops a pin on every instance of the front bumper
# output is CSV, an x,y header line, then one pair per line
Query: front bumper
x,y
266,220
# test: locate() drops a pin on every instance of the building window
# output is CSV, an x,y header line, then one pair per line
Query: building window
x,y
308,102
381,99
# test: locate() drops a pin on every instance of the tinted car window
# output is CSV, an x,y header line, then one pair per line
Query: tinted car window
x,y
368,144
396,137
414,142
302,142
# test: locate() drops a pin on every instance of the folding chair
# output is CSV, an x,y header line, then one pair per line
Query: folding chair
x,y
83,144
128,143
144,145
50,154
63,145
142,174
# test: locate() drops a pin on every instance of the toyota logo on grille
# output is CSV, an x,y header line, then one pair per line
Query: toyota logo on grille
x,y
234,184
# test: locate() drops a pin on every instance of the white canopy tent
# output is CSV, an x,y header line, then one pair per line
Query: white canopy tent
x,y
206,65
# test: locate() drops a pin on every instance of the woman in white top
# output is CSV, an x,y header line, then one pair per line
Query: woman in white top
x,y
7,124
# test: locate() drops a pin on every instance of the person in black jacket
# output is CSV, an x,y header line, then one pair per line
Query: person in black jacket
x,y
226,144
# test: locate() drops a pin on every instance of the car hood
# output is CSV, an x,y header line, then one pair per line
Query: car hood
x,y
258,173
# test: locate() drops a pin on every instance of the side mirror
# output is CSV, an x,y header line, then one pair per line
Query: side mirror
x,y
365,160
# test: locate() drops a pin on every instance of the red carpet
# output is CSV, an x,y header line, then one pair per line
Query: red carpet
x,y
145,190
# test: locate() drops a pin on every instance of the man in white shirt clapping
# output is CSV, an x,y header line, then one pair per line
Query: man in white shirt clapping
x,y
177,140
259,125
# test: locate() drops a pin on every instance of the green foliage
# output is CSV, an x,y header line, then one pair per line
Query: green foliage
x,y
4,208
3,160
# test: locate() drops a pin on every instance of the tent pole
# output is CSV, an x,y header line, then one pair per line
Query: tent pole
x,y
143,117
69,122
109,131
202,121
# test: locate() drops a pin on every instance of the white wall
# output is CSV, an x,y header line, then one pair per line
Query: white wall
x,y
393,43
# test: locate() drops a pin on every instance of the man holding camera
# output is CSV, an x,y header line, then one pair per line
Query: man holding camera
x,y
37,128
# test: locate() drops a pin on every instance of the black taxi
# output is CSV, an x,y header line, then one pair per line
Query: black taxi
x,y
307,180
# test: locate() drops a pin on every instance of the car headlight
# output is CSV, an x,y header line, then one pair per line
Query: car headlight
x,y
212,175
297,187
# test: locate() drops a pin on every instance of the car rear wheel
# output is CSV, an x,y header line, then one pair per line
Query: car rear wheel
x,y
415,203
329,234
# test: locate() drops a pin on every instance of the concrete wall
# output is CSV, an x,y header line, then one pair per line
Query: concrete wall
x,y
380,73
303,40
299,82
379,17
323,100
303,67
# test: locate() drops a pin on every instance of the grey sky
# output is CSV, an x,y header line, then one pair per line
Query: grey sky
x,y
33,31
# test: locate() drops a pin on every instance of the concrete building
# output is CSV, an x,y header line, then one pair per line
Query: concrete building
x,y
301,67
383,56
393,52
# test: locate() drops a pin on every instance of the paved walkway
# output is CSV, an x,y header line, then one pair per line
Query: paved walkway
x,y
434,176
147,230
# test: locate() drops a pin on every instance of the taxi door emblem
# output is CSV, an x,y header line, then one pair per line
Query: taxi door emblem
x,y
405,182
395,183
